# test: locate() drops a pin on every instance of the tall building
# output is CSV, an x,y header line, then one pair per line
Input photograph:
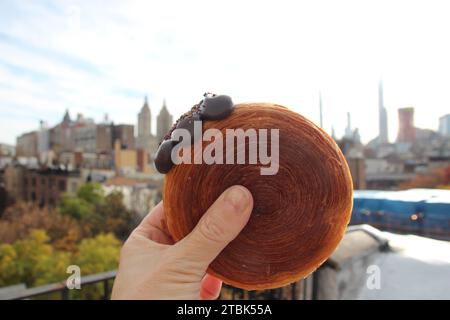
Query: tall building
x,y
145,120
145,140
164,122
406,129
444,125
27,145
383,122
93,138
348,130
43,142
61,138
124,133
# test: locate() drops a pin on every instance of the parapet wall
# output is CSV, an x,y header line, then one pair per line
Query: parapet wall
x,y
345,272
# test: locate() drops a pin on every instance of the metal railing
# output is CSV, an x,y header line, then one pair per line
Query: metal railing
x,y
305,289
63,290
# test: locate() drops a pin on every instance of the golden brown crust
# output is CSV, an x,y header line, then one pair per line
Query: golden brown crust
x,y
299,215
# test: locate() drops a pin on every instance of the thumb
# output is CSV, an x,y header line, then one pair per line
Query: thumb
x,y
223,221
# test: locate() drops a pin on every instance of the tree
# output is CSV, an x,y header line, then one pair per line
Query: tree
x,y
75,207
39,244
32,261
35,262
92,193
98,213
8,271
117,218
96,255
18,220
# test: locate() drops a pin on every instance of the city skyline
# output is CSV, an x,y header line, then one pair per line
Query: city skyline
x,y
95,60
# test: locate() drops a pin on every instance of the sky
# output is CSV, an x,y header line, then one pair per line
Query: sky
x,y
97,57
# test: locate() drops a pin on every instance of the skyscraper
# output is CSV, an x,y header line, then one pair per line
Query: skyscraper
x,y
163,122
145,140
383,124
444,125
348,130
145,120
406,129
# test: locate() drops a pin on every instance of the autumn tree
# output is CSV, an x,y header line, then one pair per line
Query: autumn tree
x,y
32,261
18,220
98,213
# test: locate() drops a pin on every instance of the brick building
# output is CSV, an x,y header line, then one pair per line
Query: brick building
x,y
124,133
27,144
42,186
406,129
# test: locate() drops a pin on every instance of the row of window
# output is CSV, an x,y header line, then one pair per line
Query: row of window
x,y
51,200
61,183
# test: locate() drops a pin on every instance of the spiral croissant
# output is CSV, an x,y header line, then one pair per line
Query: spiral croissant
x,y
300,214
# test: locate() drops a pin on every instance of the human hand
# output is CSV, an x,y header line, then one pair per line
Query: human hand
x,y
153,267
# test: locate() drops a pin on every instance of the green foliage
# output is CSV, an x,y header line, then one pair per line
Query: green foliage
x,y
98,213
86,230
8,271
91,193
34,262
116,218
19,220
75,207
98,254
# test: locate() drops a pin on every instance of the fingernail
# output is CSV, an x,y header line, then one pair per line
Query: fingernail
x,y
238,197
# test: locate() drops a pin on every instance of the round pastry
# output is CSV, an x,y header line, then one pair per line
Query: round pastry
x,y
301,208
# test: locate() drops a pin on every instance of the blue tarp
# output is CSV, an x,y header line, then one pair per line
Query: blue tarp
x,y
414,208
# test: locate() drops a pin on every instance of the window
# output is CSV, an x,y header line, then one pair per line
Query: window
x,y
74,187
62,185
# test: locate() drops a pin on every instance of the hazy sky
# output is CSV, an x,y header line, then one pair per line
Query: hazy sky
x,y
99,57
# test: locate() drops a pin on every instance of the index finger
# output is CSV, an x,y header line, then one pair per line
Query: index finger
x,y
154,226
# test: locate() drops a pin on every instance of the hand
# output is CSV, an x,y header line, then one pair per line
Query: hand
x,y
153,267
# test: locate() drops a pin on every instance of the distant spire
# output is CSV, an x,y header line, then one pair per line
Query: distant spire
x,y
164,109
348,129
349,123
320,109
380,94
66,117
145,106
382,116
